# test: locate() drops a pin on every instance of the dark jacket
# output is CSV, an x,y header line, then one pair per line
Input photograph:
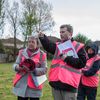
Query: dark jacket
x,y
96,65
74,62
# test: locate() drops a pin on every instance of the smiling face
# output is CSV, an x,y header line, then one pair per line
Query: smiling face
x,y
32,43
64,34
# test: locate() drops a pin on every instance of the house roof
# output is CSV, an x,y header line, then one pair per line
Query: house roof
x,y
9,43
11,40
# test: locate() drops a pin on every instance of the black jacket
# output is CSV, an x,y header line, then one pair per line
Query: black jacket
x,y
78,63
96,65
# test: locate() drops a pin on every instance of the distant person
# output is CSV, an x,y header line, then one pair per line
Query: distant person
x,y
90,75
65,70
31,62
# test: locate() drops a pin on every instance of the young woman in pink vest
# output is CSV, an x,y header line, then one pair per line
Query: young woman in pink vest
x,y
65,71
90,75
31,62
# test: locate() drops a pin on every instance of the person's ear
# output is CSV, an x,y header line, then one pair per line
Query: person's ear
x,y
69,35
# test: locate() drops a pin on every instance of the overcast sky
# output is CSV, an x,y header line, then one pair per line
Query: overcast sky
x,y
83,15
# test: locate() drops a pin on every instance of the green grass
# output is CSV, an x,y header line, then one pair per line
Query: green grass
x,y
6,77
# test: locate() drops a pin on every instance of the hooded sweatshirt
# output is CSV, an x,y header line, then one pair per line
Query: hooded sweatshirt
x,y
95,67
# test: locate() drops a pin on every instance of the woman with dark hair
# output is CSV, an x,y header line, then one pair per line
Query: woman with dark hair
x,y
90,74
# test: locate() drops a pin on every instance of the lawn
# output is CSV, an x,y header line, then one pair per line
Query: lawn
x,y
6,76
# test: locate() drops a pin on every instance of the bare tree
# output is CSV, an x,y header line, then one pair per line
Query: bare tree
x,y
44,16
13,19
36,16
2,16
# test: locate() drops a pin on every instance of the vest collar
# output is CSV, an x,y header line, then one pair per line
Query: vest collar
x,y
25,54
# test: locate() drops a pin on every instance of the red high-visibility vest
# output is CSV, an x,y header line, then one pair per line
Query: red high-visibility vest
x,y
36,58
60,71
91,81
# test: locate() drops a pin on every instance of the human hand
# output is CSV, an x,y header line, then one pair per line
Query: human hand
x,y
65,55
40,34
27,65
62,56
23,69
19,68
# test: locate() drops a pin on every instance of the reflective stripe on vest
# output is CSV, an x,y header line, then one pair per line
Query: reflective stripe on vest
x,y
68,68
59,69
77,45
30,81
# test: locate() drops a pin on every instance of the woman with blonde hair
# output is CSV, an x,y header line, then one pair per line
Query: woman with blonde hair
x,y
30,63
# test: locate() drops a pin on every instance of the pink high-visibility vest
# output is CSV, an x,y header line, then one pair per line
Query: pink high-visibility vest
x,y
36,58
60,71
91,81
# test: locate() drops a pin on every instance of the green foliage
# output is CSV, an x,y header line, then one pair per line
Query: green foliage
x,y
82,38
36,16
49,56
6,84
27,24
1,47
8,51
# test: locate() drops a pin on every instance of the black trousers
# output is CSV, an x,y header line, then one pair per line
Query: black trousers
x,y
27,98
87,92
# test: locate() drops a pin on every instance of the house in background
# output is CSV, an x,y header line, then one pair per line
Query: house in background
x,y
10,43
9,46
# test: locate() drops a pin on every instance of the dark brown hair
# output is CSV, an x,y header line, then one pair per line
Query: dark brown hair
x,y
68,26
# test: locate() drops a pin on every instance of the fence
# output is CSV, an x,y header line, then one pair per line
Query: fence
x,y
3,58
6,58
